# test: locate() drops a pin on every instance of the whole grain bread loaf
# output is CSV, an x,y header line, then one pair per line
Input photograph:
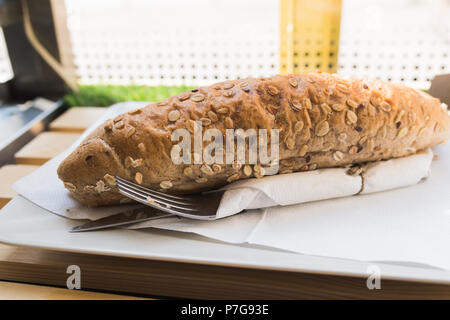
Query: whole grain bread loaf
x,y
324,121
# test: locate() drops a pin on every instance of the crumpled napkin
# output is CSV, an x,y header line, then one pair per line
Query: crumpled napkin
x,y
301,187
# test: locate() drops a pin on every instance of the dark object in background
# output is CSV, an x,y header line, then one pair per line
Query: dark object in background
x,y
32,75
440,88
22,114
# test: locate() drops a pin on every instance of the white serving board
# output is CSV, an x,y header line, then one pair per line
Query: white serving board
x,y
25,224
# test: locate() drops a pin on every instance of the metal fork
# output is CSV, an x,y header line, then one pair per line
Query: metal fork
x,y
197,206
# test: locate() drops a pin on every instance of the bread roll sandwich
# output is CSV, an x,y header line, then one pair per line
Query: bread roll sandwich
x,y
323,121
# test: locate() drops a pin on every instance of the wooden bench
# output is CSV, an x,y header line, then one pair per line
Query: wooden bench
x,y
77,119
44,147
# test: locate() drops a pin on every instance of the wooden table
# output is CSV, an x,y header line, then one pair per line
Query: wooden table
x,y
77,119
185,280
8,175
22,291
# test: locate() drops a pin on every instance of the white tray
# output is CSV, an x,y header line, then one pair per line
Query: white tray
x,y
25,224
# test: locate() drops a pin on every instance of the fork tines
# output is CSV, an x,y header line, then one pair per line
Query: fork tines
x,y
159,200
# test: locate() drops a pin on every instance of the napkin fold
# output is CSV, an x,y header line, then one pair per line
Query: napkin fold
x,y
302,211
301,187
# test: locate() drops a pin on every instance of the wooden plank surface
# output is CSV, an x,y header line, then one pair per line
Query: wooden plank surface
x,y
185,280
8,175
77,119
22,291
44,147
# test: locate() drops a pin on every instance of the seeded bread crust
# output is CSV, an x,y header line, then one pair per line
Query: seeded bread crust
x,y
324,121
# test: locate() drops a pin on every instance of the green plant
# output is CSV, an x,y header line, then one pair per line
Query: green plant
x,y
105,95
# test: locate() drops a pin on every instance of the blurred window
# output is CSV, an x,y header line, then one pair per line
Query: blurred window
x,y
6,72
197,42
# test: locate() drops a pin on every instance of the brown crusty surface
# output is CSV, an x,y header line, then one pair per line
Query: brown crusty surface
x,y
324,121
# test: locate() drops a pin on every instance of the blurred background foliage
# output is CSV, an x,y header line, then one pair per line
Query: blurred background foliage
x,y
105,95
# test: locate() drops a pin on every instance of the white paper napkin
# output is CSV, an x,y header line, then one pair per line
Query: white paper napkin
x,y
302,187
339,227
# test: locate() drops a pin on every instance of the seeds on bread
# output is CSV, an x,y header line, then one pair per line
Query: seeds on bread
x,y
324,121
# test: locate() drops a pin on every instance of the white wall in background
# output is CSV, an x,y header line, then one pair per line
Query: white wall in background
x,y
197,42
399,40
174,41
